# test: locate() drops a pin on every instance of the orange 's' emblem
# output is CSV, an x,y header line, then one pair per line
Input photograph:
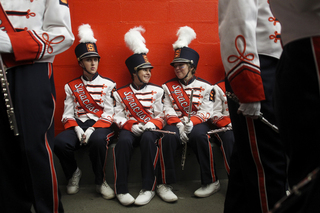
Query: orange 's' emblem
x,y
90,48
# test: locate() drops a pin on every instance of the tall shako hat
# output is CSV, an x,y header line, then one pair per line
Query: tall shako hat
x,y
182,52
87,46
136,43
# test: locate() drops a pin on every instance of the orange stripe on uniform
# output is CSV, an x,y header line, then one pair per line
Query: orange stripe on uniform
x,y
259,167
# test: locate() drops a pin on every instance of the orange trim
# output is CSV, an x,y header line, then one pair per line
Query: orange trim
x,y
27,50
102,123
70,123
128,125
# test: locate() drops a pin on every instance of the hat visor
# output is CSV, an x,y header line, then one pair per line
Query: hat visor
x,y
145,65
180,60
88,55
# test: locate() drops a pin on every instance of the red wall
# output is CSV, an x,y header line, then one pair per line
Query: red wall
x,y
110,20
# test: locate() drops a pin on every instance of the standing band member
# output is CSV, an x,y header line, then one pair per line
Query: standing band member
x,y
87,117
32,34
138,109
193,132
250,49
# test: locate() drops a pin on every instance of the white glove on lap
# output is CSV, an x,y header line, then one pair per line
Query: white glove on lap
x,y
5,43
87,134
250,109
79,131
183,136
137,129
188,127
149,125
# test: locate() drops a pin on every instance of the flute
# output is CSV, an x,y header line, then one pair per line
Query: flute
x,y
223,129
7,99
162,131
265,121
185,146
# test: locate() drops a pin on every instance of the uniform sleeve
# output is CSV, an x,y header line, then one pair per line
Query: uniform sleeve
x,y
106,118
120,117
205,109
54,37
220,115
170,114
237,32
158,118
68,117
305,5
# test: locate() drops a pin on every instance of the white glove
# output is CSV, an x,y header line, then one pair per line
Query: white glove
x,y
149,125
188,127
5,43
137,129
87,135
80,133
183,136
250,109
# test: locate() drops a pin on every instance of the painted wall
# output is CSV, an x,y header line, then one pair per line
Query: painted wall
x,y
111,19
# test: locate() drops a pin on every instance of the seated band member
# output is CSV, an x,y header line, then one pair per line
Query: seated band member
x,y
87,117
193,131
138,109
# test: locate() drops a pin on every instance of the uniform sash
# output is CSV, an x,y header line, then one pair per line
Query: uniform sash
x,y
133,104
180,96
84,98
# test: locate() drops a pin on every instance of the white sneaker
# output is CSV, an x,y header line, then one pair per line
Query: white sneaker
x,y
73,184
207,190
105,190
125,199
144,197
166,194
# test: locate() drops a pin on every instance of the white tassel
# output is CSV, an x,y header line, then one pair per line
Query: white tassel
x,y
135,41
185,36
86,34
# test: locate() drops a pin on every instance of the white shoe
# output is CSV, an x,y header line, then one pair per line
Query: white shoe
x,y
207,190
166,194
144,197
125,199
73,184
105,190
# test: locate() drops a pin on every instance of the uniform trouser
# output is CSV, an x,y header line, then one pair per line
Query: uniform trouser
x,y
257,177
198,142
67,142
297,99
149,159
225,141
27,173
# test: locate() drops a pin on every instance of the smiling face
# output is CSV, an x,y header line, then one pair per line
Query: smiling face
x,y
181,70
144,75
89,66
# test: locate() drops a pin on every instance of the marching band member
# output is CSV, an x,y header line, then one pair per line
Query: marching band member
x,y
32,34
299,65
138,109
87,117
250,49
193,131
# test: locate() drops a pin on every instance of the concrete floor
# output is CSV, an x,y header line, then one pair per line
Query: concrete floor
x,y
88,201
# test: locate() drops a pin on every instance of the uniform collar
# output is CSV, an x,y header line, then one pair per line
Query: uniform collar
x,y
188,82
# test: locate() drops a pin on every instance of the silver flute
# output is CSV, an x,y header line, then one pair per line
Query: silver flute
x,y
7,99
265,121
223,129
185,146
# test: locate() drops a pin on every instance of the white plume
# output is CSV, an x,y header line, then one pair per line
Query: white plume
x,y
86,34
185,36
135,41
